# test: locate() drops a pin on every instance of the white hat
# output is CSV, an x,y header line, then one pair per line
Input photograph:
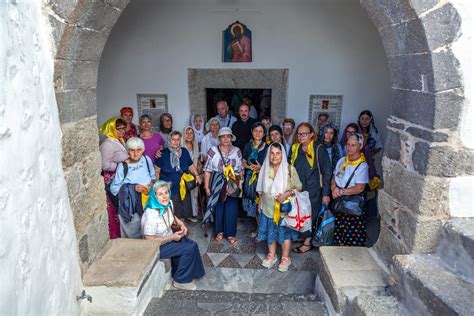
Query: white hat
x,y
226,131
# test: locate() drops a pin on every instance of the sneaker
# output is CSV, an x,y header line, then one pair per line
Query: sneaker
x,y
284,264
269,261
185,286
254,234
193,219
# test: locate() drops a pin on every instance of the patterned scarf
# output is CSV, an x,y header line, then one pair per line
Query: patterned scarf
x,y
174,157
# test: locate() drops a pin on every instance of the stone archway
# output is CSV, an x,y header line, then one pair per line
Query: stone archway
x,y
423,149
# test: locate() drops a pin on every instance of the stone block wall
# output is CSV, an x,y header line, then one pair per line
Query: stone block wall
x,y
80,30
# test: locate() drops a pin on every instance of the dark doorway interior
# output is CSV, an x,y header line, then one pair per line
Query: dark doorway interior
x,y
260,98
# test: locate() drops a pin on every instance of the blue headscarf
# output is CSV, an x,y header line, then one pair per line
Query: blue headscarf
x,y
153,202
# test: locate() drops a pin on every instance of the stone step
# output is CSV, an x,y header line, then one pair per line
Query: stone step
x,y
426,286
125,276
370,305
180,302
257,281
456,247
345,274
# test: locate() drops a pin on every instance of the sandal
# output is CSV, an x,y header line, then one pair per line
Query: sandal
x,y
300,248
219,237
233,241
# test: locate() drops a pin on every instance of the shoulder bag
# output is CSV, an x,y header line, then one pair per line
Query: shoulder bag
x,y
349,204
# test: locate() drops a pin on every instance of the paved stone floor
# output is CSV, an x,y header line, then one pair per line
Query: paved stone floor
x,y
235,282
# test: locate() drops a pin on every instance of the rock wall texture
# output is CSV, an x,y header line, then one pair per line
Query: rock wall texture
x,y
40,273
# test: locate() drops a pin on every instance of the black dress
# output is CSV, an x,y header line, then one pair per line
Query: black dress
x,y
311,180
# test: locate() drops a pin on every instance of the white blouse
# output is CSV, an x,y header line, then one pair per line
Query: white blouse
x,y
215,163
155,225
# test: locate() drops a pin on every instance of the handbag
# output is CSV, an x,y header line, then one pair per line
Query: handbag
x,y
190,185
231,186
299,217
349,204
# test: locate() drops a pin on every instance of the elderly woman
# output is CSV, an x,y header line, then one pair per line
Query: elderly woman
x,y
157,223
176,166
224,163
288,126
113,152
189,142
131,183
197,123
166,126
275,185
314,170
351,176
370,132
211,139
253,157
153,141
327,137
126,113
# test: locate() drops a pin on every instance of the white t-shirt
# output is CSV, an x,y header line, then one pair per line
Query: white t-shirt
x,y
341,176
154,225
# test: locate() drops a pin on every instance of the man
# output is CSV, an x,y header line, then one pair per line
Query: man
x,y
242,129
225,119
322,120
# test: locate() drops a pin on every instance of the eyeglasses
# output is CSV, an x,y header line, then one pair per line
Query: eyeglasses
x,y
288,126
303,134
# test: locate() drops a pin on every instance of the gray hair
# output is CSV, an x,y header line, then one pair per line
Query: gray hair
x,y
135,143
358,137
160,184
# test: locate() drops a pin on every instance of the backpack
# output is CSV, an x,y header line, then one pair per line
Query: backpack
x,y
324,235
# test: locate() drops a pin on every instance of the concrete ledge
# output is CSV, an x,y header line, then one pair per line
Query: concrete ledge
x,y
125,276
346,273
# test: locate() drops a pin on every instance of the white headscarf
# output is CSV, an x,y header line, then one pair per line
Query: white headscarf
x,y
280,183
198,133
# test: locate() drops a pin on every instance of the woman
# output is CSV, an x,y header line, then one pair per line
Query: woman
x,y
314,170
267,122
126,113
113,152
276,134
153,141
197,124
327,137
351,176
288,126
186,263
253,157
174,166
131,184
211,139
189,142
166,126
224,161
276,184
370,132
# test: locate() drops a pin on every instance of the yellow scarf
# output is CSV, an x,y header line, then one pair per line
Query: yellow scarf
x,y
309,153
109,130
186,177
375,183
229,172
277,212
347,162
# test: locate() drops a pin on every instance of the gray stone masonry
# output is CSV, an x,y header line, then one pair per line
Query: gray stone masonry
x,y
456,248
425,286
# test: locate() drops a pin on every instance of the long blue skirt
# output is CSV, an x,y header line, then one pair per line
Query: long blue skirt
x,y
186,263
270,232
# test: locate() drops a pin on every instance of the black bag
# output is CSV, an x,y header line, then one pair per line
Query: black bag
x,y
324,235
349,204
231,186
190,185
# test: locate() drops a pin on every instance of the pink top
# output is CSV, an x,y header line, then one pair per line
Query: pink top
x,y
153,144
113,152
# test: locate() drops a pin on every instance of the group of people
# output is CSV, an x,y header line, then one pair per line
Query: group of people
x,y
156,182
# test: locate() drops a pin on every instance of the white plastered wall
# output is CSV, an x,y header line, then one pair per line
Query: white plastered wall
x,y
329,47
461,189
39,272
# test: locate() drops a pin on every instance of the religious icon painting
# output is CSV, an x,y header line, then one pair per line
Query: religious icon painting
x,y
236,44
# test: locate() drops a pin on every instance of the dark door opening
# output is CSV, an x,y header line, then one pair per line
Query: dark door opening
x,y
259,98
